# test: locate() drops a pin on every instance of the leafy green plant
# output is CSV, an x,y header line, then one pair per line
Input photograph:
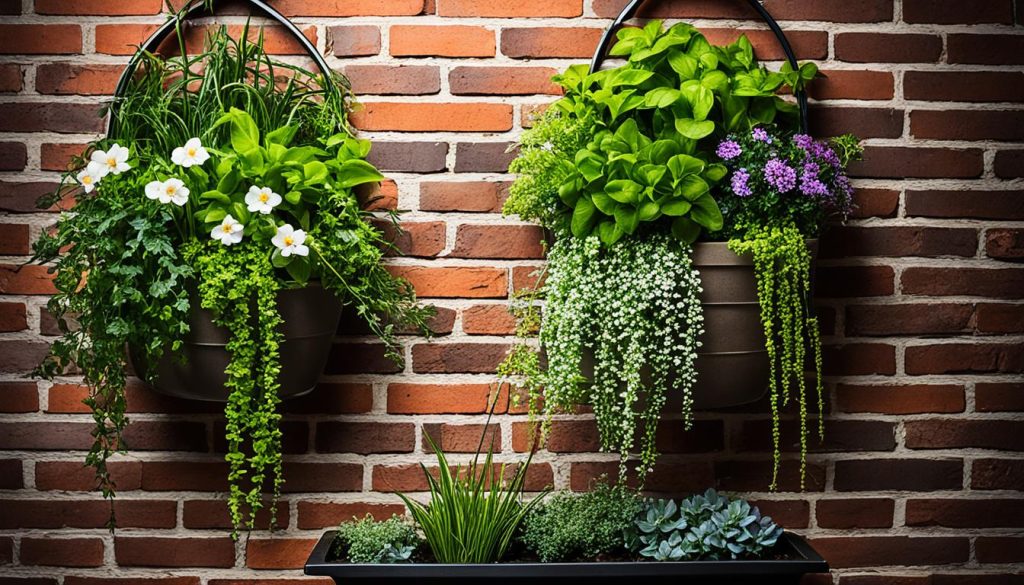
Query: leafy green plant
x,y
366,540
585,526
708,526
224,179
474,512
631,146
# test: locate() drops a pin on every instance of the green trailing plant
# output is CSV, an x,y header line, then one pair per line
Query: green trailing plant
x,y
475,511
226,177
581,527
708,526
366,540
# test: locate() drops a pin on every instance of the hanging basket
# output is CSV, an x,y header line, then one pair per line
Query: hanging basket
x,y
310,314
732,366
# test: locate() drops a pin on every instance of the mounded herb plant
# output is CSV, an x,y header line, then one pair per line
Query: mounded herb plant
x,y
226,178
366,540
626,171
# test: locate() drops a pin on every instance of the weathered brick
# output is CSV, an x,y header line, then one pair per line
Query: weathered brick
x,y
441,41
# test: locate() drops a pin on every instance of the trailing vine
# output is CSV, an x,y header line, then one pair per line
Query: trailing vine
x,y
782,266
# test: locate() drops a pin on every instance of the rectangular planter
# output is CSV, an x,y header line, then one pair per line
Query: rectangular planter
x,y
800,560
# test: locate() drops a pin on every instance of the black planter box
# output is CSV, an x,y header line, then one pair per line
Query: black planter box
x,y
798,559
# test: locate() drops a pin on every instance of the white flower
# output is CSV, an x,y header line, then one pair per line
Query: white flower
x,y
262,199
228,232
290,241
113,161
90,176
169,191
192,153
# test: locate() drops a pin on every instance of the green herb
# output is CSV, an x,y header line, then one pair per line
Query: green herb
x,y
367,541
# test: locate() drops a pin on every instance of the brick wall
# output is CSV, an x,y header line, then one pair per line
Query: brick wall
x,y
921,473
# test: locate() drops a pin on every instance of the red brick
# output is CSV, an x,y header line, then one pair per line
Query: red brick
x,y
360,358
18,396
1004,205
854,85
421,238
510,8
60,157
807,44
98,7
494,241
40,39
875,203
952,358
21,197
428,117
72,580
441,41
825,10
455,438
908,319
88,514
1009,164
903,399
21,357
316,515
951,434
999,397
409,477
10,78
443,398
151,551
26,280
76,476
852,514
488,320
997,474
277,553
206,476
787,513
896,162
339,8
50,116
964,86
484,157
13,156
1006,282
323,477
333,398
919,475
840,436
1006,125
866,47
465,196
394,79
411,157
458,358
68,79
966,513
365,437
207,514
871,551
847,241
62,552
549,42
122,38
13,317
985,49
493,80
11,474
868,122
953,12
1004,244
854,281
999,549
859,359
354,41
453,282
45,435
745,475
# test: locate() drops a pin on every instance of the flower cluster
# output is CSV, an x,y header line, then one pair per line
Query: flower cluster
x,y
112,161
777,180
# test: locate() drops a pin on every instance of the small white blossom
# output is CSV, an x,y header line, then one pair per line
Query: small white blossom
x,y
262,199
90,176
290,241
113,161
228,232
191,154
169,191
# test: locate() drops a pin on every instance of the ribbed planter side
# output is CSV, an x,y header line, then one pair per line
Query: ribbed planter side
x,y
310,316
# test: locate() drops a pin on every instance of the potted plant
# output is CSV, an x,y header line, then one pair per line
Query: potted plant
x,y
680,192
476,527
216,233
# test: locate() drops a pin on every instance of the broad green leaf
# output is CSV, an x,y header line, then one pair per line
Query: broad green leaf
x,y
685,229
245,135
217,196
609,232
683,164
629,76
280,261
694,129
693,187
283,136
709,60
603,202
229,182
662,97
239,212
357,172
299,269
715,172
627,218
715,80
684,65
569,193
706,212
293,197
590,165
630,134
213,215
745,55
624,191
315,173
582,218
649,211
661,150
676,207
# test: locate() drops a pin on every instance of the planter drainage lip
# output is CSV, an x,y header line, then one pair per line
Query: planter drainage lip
x,y
805,560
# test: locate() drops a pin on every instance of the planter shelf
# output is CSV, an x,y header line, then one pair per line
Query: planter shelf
x,y
796,559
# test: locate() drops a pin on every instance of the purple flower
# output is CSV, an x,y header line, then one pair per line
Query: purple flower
x,y
728,149
811,168
761,135
812,187
843,182
802,140
739,183
779,175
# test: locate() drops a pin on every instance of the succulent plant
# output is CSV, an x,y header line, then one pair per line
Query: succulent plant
x,y
704,526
